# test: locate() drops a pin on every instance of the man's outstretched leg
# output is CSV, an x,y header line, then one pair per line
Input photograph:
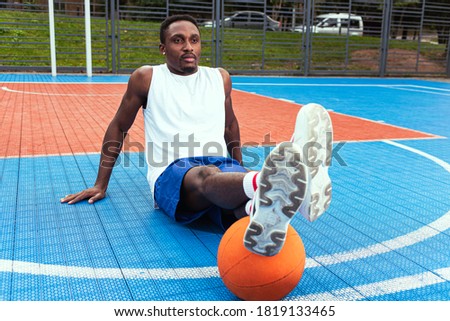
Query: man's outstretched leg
x,y
294,178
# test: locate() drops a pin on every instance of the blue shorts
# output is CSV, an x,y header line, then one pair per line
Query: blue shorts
x,y
168,186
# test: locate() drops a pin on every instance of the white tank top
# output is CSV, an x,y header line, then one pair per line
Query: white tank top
x,y
184,117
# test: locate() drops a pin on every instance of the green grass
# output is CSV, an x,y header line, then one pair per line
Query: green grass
x,y
24,41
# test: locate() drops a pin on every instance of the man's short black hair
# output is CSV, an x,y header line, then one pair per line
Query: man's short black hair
x,y
166,23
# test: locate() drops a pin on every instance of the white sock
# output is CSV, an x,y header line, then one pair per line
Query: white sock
x,y
249,207
250,183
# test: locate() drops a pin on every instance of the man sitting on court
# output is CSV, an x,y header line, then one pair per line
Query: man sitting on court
x,y
193,147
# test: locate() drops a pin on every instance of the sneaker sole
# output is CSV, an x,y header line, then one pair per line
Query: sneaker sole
x,y
314,132
283,183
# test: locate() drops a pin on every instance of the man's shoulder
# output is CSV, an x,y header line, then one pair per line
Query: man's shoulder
x,y
142,71
148,69
141,78
219,70
145,69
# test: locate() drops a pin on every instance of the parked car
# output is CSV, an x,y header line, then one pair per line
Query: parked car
x,y
336,23
248,20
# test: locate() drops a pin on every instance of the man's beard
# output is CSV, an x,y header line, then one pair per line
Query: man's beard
x,y
189,69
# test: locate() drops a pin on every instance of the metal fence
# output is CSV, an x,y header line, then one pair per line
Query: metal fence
x,y
25,36
290,37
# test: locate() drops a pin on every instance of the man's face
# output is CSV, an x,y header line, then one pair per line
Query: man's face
x,y
182,47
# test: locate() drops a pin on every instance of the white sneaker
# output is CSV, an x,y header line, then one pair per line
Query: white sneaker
x,y
314,135
281,190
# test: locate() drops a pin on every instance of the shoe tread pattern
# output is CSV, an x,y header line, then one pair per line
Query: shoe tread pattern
x,y
282,189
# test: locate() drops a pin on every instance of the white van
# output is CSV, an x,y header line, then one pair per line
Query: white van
x,y
337,24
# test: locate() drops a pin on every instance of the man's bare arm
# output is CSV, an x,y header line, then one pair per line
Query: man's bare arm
x,y
232,132
134,97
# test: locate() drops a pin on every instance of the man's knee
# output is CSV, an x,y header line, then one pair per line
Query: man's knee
x,y
196,178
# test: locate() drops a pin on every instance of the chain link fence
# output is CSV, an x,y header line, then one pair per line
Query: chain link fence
x,y
284,37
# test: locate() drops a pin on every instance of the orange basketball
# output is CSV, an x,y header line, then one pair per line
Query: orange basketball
x,y
252,276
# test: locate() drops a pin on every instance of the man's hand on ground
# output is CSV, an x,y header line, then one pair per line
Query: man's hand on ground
x,y
93,194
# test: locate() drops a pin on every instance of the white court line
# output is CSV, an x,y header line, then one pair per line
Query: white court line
x,y
390,286
379,288
237,83
438,161
338,85
107,273
4,88
313,85
66,82
428,87
434,228
420,235
391,125
421,91
391,86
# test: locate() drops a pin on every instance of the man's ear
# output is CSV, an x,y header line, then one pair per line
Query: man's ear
x,y
162,48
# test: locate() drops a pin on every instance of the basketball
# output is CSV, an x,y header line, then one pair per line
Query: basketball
x,y
255,277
